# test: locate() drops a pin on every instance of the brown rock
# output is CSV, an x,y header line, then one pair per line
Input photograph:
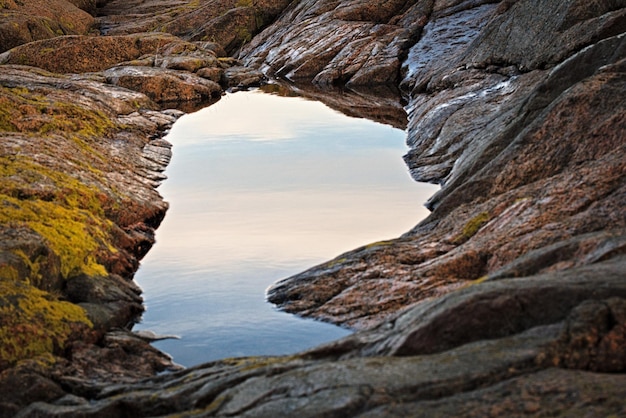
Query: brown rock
x,y
230,23
26,384
243,77
214,74
69,216
30,20
164,86
334,44
510,193
80,54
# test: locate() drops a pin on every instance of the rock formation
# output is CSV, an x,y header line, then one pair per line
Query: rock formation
x,y
23,21
509,299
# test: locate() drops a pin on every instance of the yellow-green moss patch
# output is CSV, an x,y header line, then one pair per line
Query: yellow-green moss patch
x,y
378,244
70,216
73,234
33,323
336,262
472,227
22,110
9,273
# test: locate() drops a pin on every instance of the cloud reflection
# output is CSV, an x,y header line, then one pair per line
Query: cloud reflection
x,y
255,116
262,187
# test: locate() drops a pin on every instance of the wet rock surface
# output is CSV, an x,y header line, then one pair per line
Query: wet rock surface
x,y
509,299
513,201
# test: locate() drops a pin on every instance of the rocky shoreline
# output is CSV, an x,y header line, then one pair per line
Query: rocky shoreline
x,y
509,299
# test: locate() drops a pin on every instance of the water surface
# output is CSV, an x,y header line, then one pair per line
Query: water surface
x,y
262,187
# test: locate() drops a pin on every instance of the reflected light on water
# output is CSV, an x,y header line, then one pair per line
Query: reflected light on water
x,y
262,187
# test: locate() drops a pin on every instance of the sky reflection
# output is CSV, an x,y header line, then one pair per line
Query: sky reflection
x,y
262,187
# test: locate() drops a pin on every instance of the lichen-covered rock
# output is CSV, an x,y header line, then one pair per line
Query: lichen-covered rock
x,y
161,66
73,225
81,54
25,21
164,86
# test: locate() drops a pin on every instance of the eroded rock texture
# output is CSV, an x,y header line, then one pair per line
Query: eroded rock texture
x,y
25,21
509,300
527,143
80,163
231,23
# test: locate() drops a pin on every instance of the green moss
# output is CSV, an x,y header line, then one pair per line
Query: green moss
x,y
35,277
333,263
480,279
9,273
73,234
22,110
244,35
472,227
33,323
71,218
244,3
378,244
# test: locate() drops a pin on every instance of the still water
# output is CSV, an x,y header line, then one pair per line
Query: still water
x,y
262,187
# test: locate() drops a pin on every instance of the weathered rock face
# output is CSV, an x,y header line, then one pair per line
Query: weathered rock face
x,y
510,299
30,20
170,71
513,201
337,42
81,54
79,209
230,23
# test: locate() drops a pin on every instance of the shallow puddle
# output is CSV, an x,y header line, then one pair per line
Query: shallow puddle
x,y
262,187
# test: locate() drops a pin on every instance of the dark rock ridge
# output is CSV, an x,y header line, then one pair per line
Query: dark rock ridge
x,y
508,300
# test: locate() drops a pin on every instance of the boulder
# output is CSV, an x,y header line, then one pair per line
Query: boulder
x,y
164,86
229,23
25,21
81,54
